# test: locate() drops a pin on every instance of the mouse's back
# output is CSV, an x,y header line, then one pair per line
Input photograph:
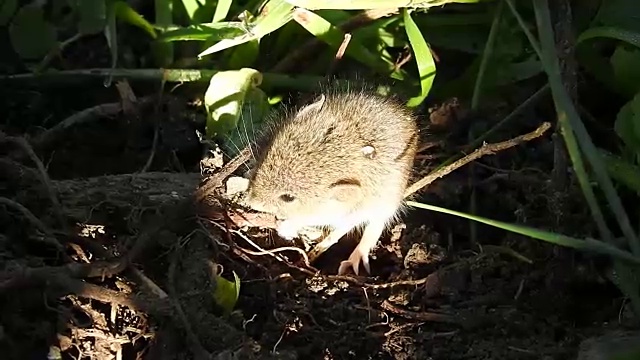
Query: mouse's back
x,y
334,156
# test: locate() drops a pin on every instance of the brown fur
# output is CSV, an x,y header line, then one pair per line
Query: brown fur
x,y
315,155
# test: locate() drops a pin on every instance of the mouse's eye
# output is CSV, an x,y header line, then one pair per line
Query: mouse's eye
x,y
287,197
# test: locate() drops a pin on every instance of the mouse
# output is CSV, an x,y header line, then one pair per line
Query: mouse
x,y
343,162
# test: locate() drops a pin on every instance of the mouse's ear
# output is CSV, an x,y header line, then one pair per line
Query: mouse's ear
x,y
346,190
313,107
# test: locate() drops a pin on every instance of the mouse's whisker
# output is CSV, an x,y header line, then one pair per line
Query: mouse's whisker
x,y
246,132
229,141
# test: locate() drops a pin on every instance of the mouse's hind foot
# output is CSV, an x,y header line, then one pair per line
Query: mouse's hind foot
x,y
370,237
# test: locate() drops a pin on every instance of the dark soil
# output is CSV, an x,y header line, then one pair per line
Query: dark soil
x,y
133,276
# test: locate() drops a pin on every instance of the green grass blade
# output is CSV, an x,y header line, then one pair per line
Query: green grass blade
x,y
274,15
569,138
558,239
330,34
486,55
222,10
203,32
127,14
627,36
622,171
371,4
423,57
571,122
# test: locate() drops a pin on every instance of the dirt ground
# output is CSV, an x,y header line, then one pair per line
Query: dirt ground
x,y
120,265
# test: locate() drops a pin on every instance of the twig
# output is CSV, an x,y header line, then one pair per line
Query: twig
x,y
156,128
29,276
216,180
486,149
152,286
85,116
339,54
420,316
310,47
26,147
49,237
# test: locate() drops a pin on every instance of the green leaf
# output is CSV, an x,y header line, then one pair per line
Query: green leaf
x,y
93,16
598,66
618,13
547,236
7,9
126,13
424,59
225,98
203,32
622,171
254,112
325,31
227,292
627,124
273,16
32,37
222,10
625,61
371,4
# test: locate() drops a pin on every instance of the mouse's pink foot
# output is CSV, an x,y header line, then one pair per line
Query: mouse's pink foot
x,y
359,255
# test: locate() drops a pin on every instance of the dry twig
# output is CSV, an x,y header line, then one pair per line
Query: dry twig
x,y
310,47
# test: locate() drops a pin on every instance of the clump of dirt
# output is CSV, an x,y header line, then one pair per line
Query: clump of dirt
x,y
105,260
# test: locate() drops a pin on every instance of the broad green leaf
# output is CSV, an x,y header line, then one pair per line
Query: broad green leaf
x,y
254,112
622,171
627,124
325,31
203,32
93,16
273,16
598,66
125,13
222,10
227,292
225,98
7,9
625,62
32,37
631,37
587,244
371,4
618,13
423,57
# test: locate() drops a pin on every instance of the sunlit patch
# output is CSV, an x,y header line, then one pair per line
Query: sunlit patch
x,y
91,230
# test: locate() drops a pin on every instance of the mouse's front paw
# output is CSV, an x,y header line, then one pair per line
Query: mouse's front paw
x,y
357,256
287,230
